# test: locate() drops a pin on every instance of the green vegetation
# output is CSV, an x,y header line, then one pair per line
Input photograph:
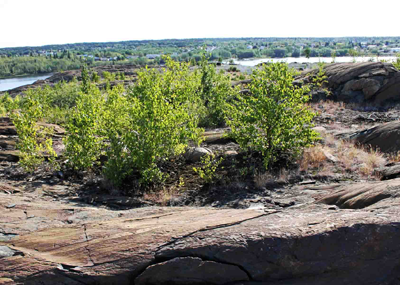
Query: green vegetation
x,y
207,171
154,121
51,58
18,66
275,118
397,62
35,141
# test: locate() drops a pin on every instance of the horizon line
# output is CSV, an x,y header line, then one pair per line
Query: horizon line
x,y
183,39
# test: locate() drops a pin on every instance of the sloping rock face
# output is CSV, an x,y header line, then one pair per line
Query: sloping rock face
x,y
9,139
53,242
375,82
385,137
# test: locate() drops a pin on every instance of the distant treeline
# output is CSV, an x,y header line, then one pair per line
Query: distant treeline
x,y
18,66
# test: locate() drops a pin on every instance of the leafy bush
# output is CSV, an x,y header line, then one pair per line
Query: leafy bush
x,y
155,120
8,104
35,141
233,69
275,118
84,143
208,169
215,91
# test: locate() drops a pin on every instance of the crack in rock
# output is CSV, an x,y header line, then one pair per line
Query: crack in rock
x,y
86,247
191,270
175,240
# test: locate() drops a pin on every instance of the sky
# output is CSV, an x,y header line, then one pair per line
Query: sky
x,y
41,22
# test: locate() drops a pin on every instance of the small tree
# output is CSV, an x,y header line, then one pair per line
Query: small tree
x,y
275,118
95,77
353,53
85,80
333,55
307,52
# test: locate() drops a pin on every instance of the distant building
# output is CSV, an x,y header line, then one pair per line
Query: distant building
x,y
210,49
153,56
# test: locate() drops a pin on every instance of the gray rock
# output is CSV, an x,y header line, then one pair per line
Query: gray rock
x,y
321,130
330,157
5,251
360,82
388,172
385,137
194,154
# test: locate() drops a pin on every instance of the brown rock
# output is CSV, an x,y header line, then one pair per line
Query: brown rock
x,y
361,195
303,244
191,270
9,155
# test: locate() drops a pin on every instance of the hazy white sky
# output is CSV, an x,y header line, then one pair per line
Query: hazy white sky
x,y
40,22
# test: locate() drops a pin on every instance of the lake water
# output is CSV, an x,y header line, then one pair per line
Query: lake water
x,y
254,62
11,83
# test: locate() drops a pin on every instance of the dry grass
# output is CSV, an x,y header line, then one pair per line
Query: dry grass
x,y
262,179
313,157
166,195
394,157
328,106
347,158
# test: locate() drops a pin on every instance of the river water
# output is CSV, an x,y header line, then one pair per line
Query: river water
x,y
254,62
11,83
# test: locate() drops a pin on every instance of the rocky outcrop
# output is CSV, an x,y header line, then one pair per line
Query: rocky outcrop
x,y
44,241
374,82
385,137
9,138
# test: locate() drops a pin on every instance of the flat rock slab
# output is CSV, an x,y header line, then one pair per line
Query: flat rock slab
x,y
362,195
61,242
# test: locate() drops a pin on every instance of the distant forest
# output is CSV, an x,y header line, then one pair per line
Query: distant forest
x,y
52,58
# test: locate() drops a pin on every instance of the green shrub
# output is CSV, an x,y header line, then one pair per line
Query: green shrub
x,y
207,171
8,104
233,69
84,143
35,141
95,77
275,118
154,121
108,76
215,91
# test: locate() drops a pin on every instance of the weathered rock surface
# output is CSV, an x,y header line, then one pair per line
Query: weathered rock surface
x,y
389,171
194,154
385,137
187,270
361,82
63,242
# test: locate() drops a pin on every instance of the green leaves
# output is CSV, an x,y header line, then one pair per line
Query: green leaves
x,y
274,118
35,141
